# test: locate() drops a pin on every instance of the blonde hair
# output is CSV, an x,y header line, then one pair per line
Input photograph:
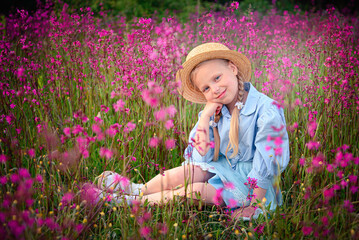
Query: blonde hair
x,y
234,125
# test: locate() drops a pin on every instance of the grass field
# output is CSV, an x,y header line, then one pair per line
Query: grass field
x,y
84,94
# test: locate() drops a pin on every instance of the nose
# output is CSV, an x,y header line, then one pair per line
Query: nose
x,y
216,88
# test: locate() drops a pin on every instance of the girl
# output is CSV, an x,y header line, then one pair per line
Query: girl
x,y
240,134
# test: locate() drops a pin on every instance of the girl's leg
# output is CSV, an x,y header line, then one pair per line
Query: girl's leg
x,y
206,192
176,177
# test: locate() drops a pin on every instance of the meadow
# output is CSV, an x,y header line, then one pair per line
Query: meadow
x,y
82,93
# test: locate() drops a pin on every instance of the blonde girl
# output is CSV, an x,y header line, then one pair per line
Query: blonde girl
x,y
240,135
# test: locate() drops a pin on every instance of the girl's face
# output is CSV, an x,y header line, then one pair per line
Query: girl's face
x,y
217,80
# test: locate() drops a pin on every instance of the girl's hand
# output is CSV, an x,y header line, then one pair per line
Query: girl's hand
x,y
243,212
211,108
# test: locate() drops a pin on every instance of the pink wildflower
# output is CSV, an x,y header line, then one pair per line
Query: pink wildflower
x,y
171,111
302,161
14,178
348,206
145,231
67,131
353,178
129,127
119,105
31,152
104,152
354,189
170,143
104,108
96,129
67,198
3,180
312,127
169,124
3,158
24,173
313,145
154,142
38,178
98,119
160,115
307,230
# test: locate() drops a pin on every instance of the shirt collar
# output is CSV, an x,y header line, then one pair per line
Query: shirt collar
x,y
251,103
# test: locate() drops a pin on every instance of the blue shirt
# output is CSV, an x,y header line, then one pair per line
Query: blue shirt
x,y
258,119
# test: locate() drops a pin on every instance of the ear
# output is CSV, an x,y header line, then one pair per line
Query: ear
x,y
233,67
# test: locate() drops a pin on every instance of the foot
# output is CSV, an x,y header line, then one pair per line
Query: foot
x,y
113,182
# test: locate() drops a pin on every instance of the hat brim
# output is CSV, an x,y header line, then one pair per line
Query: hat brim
x,y
191,92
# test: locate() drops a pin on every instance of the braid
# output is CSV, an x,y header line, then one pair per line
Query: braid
x,y
217,140
234,126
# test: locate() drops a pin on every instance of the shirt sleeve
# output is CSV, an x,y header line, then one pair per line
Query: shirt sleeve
x,y
271,156
191,153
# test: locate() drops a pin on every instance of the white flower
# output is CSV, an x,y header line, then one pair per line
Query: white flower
x,y
239,105
212,123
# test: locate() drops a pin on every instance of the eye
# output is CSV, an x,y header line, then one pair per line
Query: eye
x,y
218,77
205,89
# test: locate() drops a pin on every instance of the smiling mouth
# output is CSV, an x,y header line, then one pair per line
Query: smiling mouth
x,y
222,94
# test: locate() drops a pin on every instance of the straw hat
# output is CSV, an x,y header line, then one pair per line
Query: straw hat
x,y
203,52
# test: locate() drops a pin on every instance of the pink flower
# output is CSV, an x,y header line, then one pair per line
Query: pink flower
x,y
354,189
31,152
96,129
307,230
67,131
145,231
104,108
312,127
160,115
67,198
170,143
129,127
98,119
325,220
119,105
313,145
38,178
162,228
24,173
169,124
3,180
348,206
267,148
353,178
104,152
14,178
154,142
3,158
171,111
302,161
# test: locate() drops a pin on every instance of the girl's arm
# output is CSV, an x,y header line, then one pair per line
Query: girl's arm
x,y
202,135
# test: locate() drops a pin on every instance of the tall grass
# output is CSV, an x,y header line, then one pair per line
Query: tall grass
x,y
81,95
